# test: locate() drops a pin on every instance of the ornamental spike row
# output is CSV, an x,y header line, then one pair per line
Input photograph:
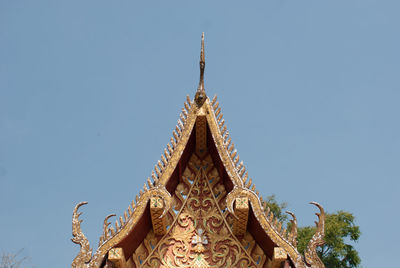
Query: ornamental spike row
x,y
263,204
130,211
158,172
245,182
279,226
188,102
149,183
178,130
180,124
220,116
214,99
116,226
239,167
236,160
170,150
153,175
112,231
284,233
271,217
144,187
164,161
241,173
166,154
221,124
173,143
175,135
228,142
224,131
233,154
217,111
229,146
230,149
182,117
184,113
155,181
187,107
126,216
121,221
215,106
160,166
225,137
248,184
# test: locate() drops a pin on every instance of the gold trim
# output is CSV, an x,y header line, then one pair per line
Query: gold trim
x,y
235,169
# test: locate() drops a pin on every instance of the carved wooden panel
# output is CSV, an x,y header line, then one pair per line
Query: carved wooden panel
x,y
117,258
200,232
242,214
156,210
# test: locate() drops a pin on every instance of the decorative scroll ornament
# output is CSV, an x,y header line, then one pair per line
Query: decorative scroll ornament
x,y
106,229
293,231
111,237
239,192
310,255
85,253
200,235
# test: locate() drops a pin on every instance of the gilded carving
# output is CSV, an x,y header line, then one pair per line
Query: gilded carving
x,y
117,257
201,136
156,211
293,231
198,221
242,214
200,234
85,252
311,255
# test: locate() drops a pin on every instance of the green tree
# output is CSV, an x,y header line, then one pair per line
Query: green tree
x,y
340,231
277,208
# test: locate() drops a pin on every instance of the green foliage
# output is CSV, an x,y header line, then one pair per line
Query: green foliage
x,y
277,208
340,230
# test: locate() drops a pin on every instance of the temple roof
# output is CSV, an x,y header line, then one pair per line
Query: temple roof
x,y
201,130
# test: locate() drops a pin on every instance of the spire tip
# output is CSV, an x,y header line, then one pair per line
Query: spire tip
x,y
202,57
201,94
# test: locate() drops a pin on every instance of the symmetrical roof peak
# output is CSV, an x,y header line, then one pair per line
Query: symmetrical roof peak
x,y
200,96
200,144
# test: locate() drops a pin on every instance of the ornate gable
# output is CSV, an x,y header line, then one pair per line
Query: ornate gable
x,y
199,208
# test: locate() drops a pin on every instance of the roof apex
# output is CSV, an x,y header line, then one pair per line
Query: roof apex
x,y
201,96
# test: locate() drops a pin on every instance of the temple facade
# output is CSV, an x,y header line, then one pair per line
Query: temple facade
x,y
199,208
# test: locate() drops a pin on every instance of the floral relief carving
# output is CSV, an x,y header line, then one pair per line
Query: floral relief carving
x,y
200,235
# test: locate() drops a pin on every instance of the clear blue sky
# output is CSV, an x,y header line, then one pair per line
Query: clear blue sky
x,y
90,92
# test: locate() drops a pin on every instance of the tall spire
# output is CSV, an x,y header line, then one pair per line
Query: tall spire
x,y
200,96
202,65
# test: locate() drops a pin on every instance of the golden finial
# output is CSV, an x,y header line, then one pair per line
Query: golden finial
x,y
200,96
